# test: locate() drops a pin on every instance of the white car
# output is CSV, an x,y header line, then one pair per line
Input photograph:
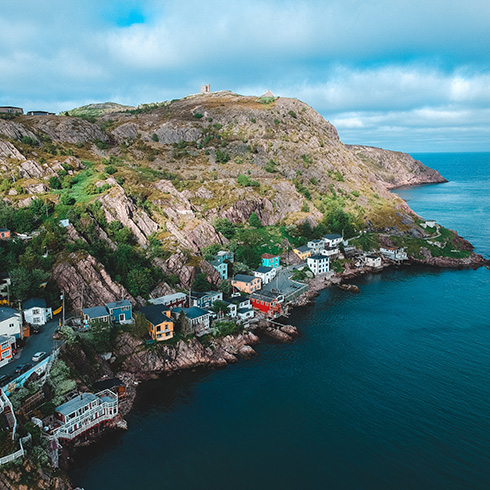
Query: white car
x,y
38,356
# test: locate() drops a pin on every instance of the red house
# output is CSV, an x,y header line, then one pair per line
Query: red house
x,y
4,234
267,302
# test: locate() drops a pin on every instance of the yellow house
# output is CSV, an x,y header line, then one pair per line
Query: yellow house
x,y
302,252
246,284
160,323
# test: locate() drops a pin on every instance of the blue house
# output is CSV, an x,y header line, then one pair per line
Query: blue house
x,y
120,311
269,260
96,313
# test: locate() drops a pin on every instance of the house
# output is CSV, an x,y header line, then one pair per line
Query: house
x,y
333,240
267,302
241,301
316,246
245,314
160,323
205,300
394,253
120,311
113,384
329,251
64,223
198,319
84,412
40,113
429,223
224,255
270,260
205,89
4,234
232,309
266,274
221,267
10,322
171,300
5,350
373,261
7,109
36,312
246,283
4,288
318,264
302,252
97,313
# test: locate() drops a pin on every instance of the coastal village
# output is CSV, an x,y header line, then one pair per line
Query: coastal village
x,y
260,298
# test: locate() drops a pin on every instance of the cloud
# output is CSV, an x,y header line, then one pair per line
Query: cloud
x,y
388,63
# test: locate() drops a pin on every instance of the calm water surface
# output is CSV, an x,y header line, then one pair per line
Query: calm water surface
x,y
386,389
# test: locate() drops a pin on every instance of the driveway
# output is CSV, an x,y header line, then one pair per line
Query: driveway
x,y
42,341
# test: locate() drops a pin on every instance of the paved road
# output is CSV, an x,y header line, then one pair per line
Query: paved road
x,y
35,343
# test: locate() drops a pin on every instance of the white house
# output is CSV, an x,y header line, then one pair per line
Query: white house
x,y
198,318
232,309
10,322
266,274
373,261
36,312
245,314
430,223
394,253
85,411
318,264
333,240
316,246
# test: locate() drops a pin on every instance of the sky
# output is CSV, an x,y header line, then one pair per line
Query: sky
x,y
408,76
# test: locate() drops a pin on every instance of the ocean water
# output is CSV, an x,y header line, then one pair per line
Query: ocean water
x,y
388,389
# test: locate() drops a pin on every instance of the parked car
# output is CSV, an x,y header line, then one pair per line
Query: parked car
x,y
36,329
38,356
22,368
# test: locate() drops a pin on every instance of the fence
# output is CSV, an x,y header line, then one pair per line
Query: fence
x,y
11,457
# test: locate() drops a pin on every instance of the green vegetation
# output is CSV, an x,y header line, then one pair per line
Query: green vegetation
x,y
245,181
224,328
292,114
198,115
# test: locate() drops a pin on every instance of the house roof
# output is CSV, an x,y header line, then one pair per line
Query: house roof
x,y
6,313
303,248
155,314
244,310
332,236
318,257
265,295
168,297
236,300
95,312
244,278
75,403
263,269
4,338
269,256
118,304
192,312
4,229
33,303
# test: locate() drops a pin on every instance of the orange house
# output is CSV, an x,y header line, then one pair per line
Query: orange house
x,y
4,234
246,284
160,323
5,350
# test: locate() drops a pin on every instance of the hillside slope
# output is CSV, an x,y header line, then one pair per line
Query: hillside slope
x,y
170,179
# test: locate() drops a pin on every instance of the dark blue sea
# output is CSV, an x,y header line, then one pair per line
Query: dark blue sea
x,y
388,389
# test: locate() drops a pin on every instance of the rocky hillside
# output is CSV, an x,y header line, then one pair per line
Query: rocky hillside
x,y
170,179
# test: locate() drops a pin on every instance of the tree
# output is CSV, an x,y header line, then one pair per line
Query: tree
x,y
221,308
225,286
184,325
255,221
201,283
54,183
140,327
225,227
139,281
26,283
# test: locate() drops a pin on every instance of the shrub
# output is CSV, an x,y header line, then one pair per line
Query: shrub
x,y
102,145
271,166
110,169
292,114
222,156
54,183
198,115
276,122
155,137
28,141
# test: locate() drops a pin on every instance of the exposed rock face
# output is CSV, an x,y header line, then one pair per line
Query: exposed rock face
x,y
15,130
185,355
67,129
31,169
168,133
83,274
125,132
36,188
396,169
176,264
117,206
8,150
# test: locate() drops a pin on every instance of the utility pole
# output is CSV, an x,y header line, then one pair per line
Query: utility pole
x,y
63,307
